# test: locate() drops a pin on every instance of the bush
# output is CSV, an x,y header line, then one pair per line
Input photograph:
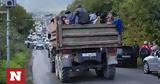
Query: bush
x,y
2,71
17,61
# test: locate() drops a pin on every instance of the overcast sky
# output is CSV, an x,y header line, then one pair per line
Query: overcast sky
x,y
44,5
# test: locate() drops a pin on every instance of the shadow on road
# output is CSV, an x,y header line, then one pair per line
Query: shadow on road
x,y
79,77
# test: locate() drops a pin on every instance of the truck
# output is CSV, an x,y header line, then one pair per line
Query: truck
x,y
83,47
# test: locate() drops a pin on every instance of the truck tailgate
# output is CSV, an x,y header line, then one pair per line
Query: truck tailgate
x,y
88,36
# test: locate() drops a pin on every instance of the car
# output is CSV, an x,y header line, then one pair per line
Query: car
x,y
126,57
28,42
40,46
34,42
152,63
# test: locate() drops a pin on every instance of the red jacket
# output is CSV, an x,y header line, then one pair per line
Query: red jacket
x,y
145,46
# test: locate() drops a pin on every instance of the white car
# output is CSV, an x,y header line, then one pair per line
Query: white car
x,y
40,46
152,63
28,42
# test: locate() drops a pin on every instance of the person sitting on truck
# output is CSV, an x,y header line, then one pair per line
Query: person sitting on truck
x,y
119,24
92,17
98,18
64,20
109,18
82,14
70,16
103,18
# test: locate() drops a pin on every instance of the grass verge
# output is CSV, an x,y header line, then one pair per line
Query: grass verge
x,y
19,60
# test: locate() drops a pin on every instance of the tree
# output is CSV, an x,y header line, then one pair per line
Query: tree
x,y
92,5
21,23
141,18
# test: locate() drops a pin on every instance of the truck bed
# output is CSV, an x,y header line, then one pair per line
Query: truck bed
x,y
86,36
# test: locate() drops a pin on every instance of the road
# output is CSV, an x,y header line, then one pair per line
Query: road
x,y
42,74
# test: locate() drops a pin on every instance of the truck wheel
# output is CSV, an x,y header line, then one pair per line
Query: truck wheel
x,y
57,73
49,54
56,70
53,67
64,75
158,75
110,72
99,72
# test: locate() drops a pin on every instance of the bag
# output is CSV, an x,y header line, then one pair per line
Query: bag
x,y
144,52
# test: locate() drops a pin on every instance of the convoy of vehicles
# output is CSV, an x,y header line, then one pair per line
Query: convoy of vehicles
x,y
40,46
84,47
37,39
73,48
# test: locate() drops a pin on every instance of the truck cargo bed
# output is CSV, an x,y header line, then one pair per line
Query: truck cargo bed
x,y
86,36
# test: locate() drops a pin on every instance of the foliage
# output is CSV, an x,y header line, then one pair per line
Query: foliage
x,y
92,5
22,20
141,18
17,61
21,23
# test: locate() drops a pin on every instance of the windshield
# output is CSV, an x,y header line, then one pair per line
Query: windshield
x,y
119,51
29,39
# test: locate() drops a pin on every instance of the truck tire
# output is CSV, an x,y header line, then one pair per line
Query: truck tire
x,y
49,54
110,72
53,67
56,68
158,75
64,75
99,72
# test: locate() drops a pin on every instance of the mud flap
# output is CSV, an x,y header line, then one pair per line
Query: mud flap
x,y
66,61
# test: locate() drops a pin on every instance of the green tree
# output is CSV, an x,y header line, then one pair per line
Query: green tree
x,y
92,5
20,24
141,18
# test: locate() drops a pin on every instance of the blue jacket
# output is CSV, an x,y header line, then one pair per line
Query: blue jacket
x,y
119,25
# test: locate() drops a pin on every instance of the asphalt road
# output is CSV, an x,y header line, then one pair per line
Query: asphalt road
x,y
42,75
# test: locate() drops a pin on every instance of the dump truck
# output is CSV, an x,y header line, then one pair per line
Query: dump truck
x,y
83,47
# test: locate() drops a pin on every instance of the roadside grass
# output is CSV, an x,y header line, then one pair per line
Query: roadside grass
x,y
18,60
139,62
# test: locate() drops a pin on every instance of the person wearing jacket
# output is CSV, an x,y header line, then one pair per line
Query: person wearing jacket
x,y
155,46
145,50
82,15
70,16
135,49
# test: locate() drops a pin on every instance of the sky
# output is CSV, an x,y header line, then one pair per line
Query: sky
x,y
44,5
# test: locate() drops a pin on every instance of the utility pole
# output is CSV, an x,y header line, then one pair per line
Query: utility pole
x,y
8,39
8,4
